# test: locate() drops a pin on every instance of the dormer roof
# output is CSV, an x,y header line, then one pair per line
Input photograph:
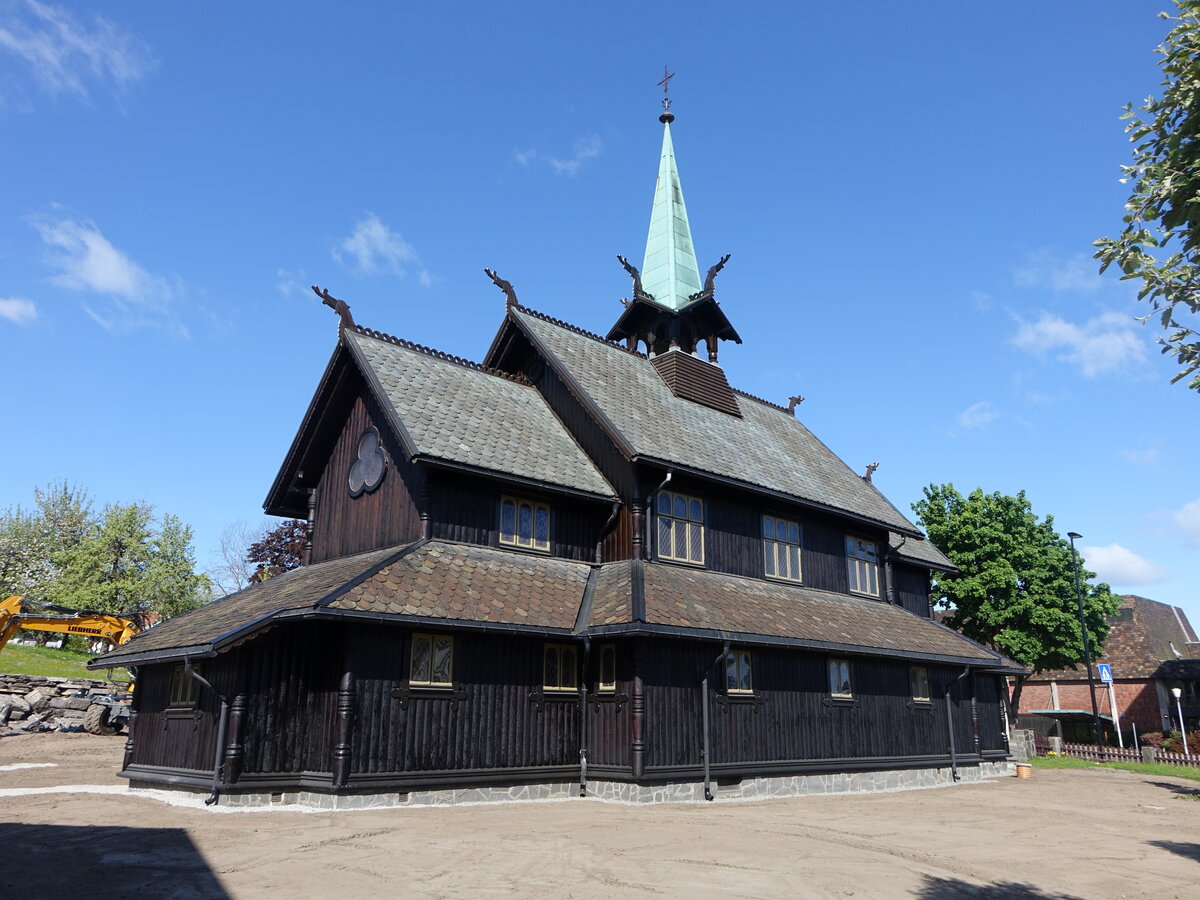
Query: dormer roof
x,y
443,410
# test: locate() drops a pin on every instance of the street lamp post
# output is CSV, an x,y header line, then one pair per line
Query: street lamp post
x,y
1087,644
1177,693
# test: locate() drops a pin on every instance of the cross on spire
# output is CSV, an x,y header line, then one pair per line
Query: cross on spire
x,y
667,76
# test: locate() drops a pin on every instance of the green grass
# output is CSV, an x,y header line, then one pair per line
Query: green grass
x,y
1192,773
16,660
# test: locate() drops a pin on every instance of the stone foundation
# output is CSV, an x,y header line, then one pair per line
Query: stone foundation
x,y
747,789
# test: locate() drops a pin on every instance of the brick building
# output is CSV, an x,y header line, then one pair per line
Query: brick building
x,y
1151,648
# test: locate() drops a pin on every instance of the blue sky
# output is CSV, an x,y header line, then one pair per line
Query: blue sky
x,y
909,191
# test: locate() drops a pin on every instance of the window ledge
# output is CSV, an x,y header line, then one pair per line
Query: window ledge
x,y
845,702
537,551
724,699
455,693
783,580
917,705
680,562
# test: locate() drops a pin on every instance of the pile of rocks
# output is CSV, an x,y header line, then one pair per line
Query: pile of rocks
x,y
39,703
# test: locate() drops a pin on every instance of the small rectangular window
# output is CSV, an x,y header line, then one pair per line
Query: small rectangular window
x,y
607,676
559,671
918,677
185,690
432,660
781,548
680,527
839,679
738,676
524,523
862,559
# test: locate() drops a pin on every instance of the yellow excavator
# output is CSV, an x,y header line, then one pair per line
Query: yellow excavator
x,y
106,715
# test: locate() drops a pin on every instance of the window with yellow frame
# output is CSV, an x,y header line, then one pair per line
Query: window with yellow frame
x,y
559,668
431,662
739,678
524,523
606,676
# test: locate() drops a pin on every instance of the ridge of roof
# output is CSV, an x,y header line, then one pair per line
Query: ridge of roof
x,y
517,378
757,399
582,332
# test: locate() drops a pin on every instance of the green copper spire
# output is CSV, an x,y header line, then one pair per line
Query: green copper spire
x,y
669,272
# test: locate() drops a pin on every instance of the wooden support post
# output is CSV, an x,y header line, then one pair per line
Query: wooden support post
x,y
426,516
638,717
345,728
975,716
308,526
127,759
235,748
711,342
635,523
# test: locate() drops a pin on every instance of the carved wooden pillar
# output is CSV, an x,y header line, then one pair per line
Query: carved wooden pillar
x,y
235,749
711,343
127,759
345,727
426,517
635,522
638,715
975,716
308,527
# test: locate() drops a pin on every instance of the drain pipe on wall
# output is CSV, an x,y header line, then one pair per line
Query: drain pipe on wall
x,y
616,508
950,721
223,724
704,751
646,518
583,729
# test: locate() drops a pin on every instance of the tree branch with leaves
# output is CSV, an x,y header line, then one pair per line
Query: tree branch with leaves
x,y
1160,243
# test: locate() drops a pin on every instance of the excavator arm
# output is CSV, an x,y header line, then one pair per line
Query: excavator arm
x,y
16,613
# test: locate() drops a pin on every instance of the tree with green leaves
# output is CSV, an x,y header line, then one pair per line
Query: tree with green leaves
x,y
31,539
1160,243
1015,586
129,563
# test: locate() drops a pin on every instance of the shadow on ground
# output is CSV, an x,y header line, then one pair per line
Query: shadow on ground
x,y
1181,848
101,861
954,889
1178,788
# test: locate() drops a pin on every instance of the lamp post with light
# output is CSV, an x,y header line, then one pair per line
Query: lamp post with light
x,y
1177,693
1087,645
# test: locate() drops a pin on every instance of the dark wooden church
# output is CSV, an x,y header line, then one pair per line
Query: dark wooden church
x,y
587,565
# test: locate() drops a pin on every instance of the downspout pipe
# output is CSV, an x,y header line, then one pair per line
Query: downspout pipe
x,y
616,508
583,718
646,517
704,751
950,721
222,727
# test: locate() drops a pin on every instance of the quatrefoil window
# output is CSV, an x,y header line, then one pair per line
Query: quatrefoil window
x,y
367,471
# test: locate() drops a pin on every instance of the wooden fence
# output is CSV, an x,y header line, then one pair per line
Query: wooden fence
x,y
1113,754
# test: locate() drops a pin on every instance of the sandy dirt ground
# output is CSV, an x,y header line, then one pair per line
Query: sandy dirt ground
x,y
1061,834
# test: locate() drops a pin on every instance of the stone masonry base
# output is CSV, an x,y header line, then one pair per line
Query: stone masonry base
x,y
623,792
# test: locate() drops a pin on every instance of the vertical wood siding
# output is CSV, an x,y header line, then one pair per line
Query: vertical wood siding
x,y
792,717
383,518
912,589
495,724
468,509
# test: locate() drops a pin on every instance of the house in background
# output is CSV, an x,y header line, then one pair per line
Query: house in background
x,y
1151,648
587,564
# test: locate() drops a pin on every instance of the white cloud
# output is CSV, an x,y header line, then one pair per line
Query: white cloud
x,y
1042,269
64,54
1107,343
585,149
977,415
288,282
88,262
18,311
1146,457
1188,518
374,249
1117,565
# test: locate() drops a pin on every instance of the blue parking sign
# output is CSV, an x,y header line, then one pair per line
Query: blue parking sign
x,y
1105,672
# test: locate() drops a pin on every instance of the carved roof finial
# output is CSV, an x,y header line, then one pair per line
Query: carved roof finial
x,y
710,279
870,471
510,295
793,402
341,307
